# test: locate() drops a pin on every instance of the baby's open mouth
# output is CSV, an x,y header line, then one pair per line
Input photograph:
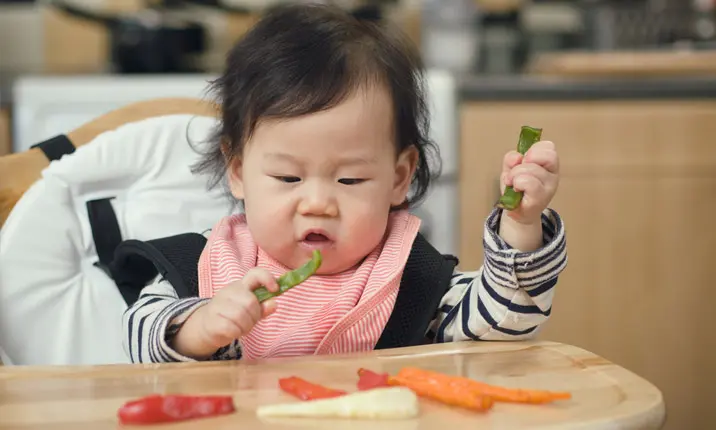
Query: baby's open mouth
x,y
316,240
315,237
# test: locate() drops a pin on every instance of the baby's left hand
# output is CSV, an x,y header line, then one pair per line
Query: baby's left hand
x,y
536,175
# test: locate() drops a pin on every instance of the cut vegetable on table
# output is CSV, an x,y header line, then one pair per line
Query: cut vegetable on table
x,y
450,395
156,409
443,382
369,379
306,390
378,403
381,395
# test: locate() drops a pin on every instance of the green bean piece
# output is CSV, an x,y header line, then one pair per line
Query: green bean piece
x,y
511,199
290,279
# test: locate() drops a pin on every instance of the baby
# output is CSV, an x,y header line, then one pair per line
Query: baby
x,y
324,140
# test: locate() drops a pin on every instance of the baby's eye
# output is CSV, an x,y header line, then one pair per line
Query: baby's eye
x,y
350,181
287,179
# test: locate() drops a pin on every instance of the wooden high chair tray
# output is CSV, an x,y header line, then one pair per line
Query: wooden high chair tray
x,y
605,396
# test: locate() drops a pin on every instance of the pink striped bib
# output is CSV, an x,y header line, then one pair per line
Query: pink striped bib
x,y
327,314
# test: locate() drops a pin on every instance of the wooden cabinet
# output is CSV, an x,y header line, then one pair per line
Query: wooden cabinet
x,y
638,197
75,45
5,136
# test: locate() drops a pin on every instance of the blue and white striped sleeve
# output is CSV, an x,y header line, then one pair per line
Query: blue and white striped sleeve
x,y
510,296
154,318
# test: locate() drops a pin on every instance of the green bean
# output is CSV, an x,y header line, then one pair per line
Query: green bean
x,y
290,279
511,199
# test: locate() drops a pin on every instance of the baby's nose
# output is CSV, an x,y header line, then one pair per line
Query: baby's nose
x,y
318,202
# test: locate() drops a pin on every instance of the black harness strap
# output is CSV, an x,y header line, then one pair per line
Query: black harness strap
x,y
55,147
102,219
105,230
425,281
175,258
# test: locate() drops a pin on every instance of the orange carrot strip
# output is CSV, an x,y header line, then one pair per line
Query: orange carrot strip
x,y
454,396
306,390
500,394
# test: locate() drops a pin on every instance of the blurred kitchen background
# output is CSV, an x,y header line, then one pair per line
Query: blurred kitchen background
x,y
626,89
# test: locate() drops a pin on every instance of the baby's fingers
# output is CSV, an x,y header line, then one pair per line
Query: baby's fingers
x,y
244,312
258,277
535,194
225,328
527,184
545,157
510,160
268,307
544,144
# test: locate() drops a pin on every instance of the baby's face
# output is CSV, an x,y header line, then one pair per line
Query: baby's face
x,y
324,181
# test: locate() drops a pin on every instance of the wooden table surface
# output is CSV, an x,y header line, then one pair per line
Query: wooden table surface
x,y
605,396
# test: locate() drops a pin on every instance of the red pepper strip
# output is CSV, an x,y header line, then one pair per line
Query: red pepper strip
x,y
162,409
305,390
369,379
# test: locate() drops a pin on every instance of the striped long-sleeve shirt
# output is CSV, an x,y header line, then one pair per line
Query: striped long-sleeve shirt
x,y
508,298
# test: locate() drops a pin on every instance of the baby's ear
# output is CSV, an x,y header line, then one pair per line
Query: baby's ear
x,y
404,171
234,171
234,167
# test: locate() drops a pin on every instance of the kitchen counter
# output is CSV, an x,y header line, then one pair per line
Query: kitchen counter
x,y
558,88
477,87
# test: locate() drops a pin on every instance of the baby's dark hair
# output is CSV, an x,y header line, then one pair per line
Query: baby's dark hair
x,y
301,59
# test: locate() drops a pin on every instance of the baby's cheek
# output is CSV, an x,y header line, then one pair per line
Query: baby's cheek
x,y
271,205
364,239
367,226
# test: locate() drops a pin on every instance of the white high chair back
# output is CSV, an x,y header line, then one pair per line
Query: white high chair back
x,y
57,306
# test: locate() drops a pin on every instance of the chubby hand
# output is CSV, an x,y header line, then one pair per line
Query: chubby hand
x,y
229,315
536,175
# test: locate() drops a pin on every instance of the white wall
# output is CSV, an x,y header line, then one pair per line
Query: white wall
x,y
20,38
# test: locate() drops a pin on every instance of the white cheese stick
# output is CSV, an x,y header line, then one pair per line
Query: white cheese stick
x,y
378,403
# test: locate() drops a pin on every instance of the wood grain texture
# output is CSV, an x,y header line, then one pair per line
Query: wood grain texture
x,y
636,197
139,111
5,134
624,64
605,396
73,45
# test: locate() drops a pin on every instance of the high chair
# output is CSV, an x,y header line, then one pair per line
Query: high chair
x,y
64,205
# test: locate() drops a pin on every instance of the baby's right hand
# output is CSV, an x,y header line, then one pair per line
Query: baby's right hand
x,y
229,315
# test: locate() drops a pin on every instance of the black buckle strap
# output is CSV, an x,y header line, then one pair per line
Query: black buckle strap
x,y
133,263
55,147
105,231
174,258
425,280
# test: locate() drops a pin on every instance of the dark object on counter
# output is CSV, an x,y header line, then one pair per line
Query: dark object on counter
x,y
504,47
148,41
635,24
160,40
138,48
372,13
